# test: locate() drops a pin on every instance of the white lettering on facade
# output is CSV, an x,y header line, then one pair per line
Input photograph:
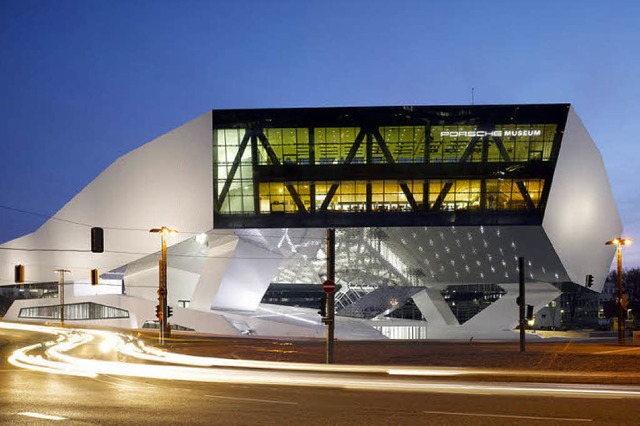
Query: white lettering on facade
x,y
494,133
522,132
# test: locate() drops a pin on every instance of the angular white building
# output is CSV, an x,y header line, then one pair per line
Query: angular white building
x,y
428,203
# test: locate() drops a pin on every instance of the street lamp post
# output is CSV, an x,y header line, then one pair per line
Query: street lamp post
x,y
619,242
61,292
162,286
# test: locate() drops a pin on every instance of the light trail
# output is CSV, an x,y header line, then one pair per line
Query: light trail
x,y
41,416
141,351
54,357
265,401
509,416
19,358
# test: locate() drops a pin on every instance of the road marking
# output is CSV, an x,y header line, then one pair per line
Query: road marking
x,y
268,401
508,416
616,351
41,416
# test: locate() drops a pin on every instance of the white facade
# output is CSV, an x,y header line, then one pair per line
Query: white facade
x,y
223,277
581,213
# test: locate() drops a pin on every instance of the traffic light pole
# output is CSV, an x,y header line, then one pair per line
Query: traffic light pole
x,y
161,310
522,305
61,293
162,291
163,307
331,276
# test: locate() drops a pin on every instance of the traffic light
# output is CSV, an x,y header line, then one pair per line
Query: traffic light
x,y
518,302
97,240
19,273
94,277
323,307
169,311
158,313
529,312
589,280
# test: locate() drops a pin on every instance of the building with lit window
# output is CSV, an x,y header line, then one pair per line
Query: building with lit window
x,y
406,166
432,207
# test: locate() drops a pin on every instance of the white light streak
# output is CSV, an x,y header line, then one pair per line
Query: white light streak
x,y
53,357
267,401
509,416
424,372
41,416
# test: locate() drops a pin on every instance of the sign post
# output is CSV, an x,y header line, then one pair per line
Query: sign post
x,y
329,287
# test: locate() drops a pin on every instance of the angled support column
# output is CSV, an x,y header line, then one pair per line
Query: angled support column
x,y
434,308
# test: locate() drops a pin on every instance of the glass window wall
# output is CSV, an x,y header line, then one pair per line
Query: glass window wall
x,y
275,197
510,142
442,161
239,186
405,143
332,145
74,311
290,146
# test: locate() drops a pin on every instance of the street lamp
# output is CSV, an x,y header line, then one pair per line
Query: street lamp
x,y
162,287
619,242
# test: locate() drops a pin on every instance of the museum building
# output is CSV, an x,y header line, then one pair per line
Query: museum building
x,y
432,206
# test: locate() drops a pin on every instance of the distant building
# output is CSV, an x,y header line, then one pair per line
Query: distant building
x,y
432,207
580,308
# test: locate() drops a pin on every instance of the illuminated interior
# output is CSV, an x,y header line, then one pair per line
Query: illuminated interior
x,y
262,168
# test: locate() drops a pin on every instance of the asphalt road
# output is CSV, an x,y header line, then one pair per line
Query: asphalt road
x,y
115,400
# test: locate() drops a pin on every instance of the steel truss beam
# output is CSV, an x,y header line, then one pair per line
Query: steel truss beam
x,y
390,160
465,156
521,187
234,169
352,153
371,134
274,159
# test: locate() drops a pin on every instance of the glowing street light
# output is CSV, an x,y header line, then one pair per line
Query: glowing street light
x,y
619,242
162,287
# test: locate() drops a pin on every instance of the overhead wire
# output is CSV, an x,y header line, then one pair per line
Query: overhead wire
x,y
280,235
169,255
116,228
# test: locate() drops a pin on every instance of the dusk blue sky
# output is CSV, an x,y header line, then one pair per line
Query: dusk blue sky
x,y
84,82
